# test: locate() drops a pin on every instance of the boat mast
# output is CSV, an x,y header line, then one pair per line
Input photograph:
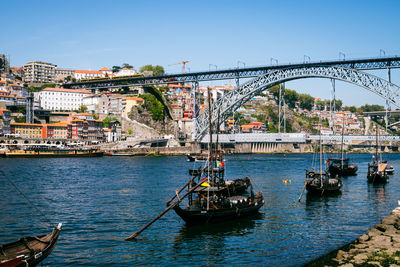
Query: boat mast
x,y
320,149
377,144
210,133
341,149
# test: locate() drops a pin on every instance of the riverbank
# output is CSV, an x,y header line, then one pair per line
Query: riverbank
x,y
380,246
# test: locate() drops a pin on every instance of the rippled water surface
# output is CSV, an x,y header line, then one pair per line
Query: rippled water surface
x,y
101,201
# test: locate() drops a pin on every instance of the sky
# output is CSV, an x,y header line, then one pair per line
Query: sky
x,y
92,34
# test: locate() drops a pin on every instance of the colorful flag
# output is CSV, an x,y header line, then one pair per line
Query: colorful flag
x,y
205,184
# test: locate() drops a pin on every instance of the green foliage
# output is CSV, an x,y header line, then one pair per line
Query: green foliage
x,y
115,68
155,107
82,109
107,120
306,101
291,97
130,131
20,119
370,108
126,65
157,69
274,90
37,89
352,109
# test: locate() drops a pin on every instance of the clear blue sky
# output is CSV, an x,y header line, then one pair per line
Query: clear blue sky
x,y
93,34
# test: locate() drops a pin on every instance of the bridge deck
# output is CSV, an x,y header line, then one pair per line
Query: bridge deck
x,y
360,64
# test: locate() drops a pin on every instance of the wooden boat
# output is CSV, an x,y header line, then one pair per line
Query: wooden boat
x,y
52,153
210,197
389,169
28,251
320,183
377,170
340,166
377,173
204,157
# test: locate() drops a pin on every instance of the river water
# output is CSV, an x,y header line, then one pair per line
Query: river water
x,y
100,201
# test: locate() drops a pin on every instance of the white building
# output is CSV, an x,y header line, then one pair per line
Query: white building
x,y
88,74
106,71
61,99
126,72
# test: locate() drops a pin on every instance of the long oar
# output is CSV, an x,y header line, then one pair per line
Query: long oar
x,y
304,187
183,187
162,213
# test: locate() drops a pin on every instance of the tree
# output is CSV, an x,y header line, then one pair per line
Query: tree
x,y
274,90
82,109
291,97
115,68
306,101
126,65
352,109
338,104
369,108
155,107
157,69
107,120
130,131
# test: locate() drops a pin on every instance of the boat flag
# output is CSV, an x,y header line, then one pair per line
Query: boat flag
x,y
204,183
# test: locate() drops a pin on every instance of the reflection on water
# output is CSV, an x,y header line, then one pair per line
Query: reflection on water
x,y
102,201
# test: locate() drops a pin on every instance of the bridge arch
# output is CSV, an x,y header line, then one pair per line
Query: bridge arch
x,y
240,95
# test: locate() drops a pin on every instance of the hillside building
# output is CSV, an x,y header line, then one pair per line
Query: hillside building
x,y
39,72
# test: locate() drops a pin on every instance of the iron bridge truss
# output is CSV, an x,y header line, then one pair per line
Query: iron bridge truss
x,y
237,73
231,101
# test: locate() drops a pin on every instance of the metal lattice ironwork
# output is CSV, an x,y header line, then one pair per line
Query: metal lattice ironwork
x,y
249,72
240,95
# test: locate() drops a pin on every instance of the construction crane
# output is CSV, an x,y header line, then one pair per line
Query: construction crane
x,y
183,64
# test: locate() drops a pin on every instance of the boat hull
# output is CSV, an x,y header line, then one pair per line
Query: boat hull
x,y
377,178
35,154
40,248
350,170
214,216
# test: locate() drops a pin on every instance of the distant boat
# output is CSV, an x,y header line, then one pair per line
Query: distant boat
x,y
319,182
43,152
340,166
377,170
28,251
203,157
390,169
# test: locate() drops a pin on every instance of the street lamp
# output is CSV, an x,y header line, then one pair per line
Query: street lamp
x,y
210,65
241,62
342,54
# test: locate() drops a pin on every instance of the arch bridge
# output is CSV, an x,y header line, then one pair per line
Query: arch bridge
x,y
231,101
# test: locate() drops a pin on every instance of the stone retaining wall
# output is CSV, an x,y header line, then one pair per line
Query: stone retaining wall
x,y
380,246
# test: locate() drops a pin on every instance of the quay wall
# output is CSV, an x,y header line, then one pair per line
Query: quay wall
x,y
379,246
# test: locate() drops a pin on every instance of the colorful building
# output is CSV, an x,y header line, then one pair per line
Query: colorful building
x,y
27,130
129,102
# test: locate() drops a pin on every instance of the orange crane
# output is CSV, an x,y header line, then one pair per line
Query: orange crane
x,y
183,64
